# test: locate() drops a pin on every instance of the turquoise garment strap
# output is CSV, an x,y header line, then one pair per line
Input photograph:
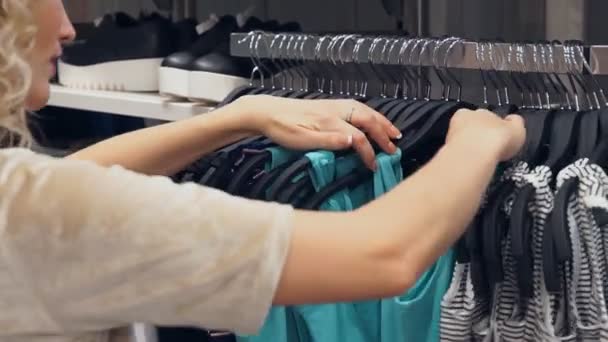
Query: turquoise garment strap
x,y
280,156
389,172
324,171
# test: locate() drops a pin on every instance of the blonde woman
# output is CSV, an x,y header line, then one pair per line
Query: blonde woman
x,y
96,241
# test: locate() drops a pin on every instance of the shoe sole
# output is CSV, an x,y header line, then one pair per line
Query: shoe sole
x,y
211,86
174,82
132,75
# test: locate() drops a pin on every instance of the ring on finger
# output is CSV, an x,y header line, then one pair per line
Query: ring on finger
x,y
349,116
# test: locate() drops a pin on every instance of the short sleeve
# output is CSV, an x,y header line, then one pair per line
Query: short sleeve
x,y
87,248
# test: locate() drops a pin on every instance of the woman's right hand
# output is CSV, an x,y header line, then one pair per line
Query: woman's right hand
x,y
484,130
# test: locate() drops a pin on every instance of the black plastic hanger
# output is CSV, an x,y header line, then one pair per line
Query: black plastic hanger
x,y
415,116
472,242
246,171
215,160
286,177
261,185
282,93
562,145
536,123
314,96
358,176
600,152
521,230
493,229
291,192
393,114
505,110
557,247
297,168
386,108
377,102
409,108
434,127
300,94
235,94
225,160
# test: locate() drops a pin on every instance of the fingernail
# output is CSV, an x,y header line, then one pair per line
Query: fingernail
x,y
349,140
396,133
392,147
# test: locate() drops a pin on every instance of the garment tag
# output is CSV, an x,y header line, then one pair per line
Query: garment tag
x,y
207,24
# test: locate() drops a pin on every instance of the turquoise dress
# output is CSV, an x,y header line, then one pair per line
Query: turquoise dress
x,y
414,316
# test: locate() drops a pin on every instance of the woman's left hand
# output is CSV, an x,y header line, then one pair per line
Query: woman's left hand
x,y
321,124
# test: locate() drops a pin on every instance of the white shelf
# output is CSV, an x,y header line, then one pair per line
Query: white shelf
x,y
143,105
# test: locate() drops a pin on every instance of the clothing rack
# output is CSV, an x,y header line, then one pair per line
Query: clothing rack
x,y
457,53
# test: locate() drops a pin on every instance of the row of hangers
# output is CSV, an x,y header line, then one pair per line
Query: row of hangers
x,y
566,119
332,65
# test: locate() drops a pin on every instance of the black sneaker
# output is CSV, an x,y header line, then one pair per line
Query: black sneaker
x,y
174,71
217,74
119,56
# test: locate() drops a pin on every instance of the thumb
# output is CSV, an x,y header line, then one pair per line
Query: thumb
x,y
517,124
514,118
517,136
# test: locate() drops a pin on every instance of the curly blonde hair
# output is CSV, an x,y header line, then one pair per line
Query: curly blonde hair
x,y
17,39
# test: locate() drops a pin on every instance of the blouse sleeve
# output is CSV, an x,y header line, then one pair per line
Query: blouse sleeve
x,y
88,248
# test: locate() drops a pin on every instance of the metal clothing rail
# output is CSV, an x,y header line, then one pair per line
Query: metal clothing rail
x,y
451,53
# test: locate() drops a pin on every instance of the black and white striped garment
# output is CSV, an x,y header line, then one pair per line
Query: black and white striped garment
x,y
457,307
592,192
527,318
559,321
464,316
506,293
460,308
595,198
590,310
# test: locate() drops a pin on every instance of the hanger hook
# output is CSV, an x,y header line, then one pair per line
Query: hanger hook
x,y
388,58
435,61
295,59
343,58
478,57
450,75
356,51
586,67
256,69
408,77
263,37
319,60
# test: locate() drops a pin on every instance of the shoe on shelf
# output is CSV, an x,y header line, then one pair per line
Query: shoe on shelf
x,y
175,69
206,71
217,74
119,55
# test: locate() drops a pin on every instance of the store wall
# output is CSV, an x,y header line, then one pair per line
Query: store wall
x,y
314,15
475,19
596,27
